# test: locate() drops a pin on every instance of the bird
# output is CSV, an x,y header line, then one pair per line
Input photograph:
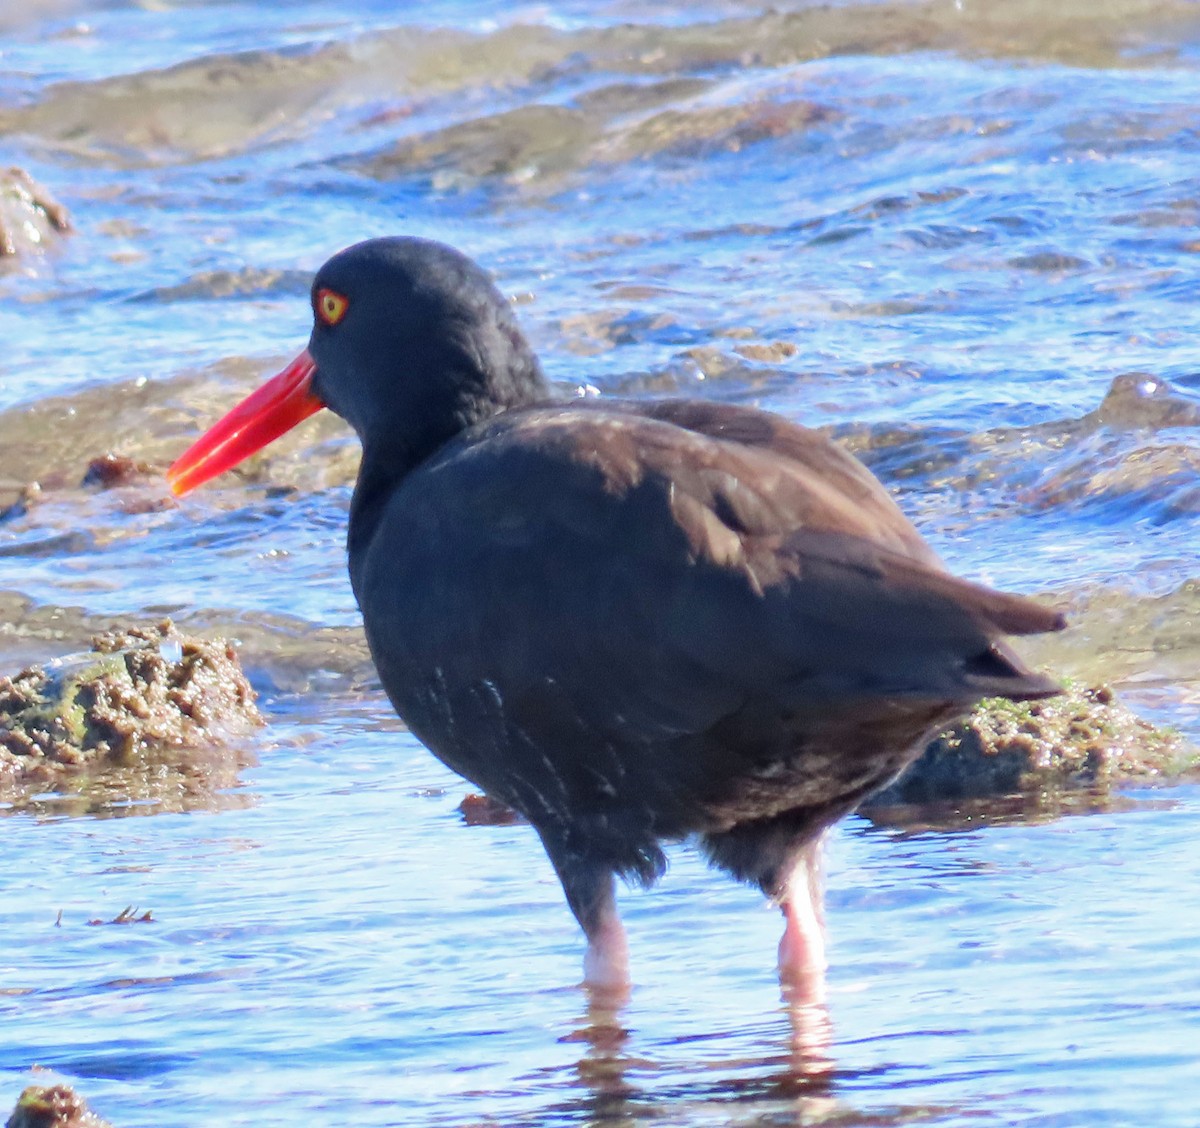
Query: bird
x,y
634,621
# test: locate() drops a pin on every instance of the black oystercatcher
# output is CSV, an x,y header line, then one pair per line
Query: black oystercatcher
x,y
632,621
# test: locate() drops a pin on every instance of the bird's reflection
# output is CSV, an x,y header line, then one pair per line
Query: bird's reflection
x,y
811,1036
605,1064
796,1082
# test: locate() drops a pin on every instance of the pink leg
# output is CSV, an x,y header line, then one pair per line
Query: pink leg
x,y
802,949
606,962
802,952
591,893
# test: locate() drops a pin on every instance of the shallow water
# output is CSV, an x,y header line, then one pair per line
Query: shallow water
x,y
947,232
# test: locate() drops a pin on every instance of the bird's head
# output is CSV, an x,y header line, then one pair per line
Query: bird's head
x,y
411,344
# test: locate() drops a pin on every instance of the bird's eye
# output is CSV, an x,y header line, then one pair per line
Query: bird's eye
x,y
331,306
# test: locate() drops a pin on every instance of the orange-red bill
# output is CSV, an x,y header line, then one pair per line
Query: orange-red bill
x,y
281,403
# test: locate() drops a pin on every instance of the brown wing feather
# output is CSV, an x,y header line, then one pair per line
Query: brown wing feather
x,y
818,464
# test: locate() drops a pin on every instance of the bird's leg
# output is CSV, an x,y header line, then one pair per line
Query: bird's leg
x,y
802,949
606,961
591,892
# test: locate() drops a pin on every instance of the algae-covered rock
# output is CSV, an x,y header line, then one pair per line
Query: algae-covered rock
x,y
137,691
53,1106
1083,739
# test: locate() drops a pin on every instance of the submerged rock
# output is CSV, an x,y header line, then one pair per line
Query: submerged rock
x,y
53,1106
1084,739
111,470
108,471
29,215
1144,400
137,691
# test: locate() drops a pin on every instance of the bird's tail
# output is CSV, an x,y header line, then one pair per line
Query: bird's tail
x,y
997,670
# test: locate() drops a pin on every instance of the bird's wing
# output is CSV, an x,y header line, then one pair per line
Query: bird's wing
x,y
827,476
661,577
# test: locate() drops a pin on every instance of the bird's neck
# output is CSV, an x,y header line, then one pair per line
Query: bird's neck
x,y
384,467
393,448
378,480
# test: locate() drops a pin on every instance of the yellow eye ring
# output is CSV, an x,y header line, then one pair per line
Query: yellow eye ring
x,y
330,306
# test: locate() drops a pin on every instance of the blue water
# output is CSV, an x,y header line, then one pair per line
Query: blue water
x,y
940,231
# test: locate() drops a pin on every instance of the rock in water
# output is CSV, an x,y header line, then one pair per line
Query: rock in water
x,y
138,690
53,1106
1083,740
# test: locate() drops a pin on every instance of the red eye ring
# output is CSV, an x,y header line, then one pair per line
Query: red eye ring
x,y
330,306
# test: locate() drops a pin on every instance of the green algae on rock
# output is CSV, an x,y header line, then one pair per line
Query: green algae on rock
x,y
53,1106
137,691
1084,739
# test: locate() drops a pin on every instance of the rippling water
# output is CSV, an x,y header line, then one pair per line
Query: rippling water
x,y
962,236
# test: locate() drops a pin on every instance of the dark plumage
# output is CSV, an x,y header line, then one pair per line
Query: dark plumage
x,y
632,621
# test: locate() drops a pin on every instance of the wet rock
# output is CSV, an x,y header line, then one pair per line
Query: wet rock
x,y
536,141
1049,262
256,98
1141,399
118,472
1083,740
616,98
250,281
136,692
27,496
111,470
483,810
29,214
701,131
138,486
772,352
516,145
1160,482
53,1106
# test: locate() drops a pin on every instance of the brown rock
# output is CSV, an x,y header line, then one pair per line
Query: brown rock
x,y
53,1106
1084,740
137,690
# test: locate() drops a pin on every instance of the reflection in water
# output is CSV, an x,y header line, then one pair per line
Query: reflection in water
x,y
169,781
952,816
603,1070
811,1035
620,1084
